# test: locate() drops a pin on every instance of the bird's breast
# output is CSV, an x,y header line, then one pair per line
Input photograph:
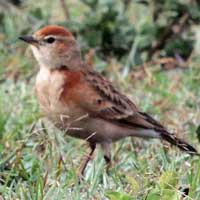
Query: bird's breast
x,y
55,96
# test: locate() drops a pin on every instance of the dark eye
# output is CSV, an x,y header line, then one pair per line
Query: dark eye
x,y
50,40
99,101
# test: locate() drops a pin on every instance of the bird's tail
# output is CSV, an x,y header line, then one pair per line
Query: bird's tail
x,y
169,137
181,144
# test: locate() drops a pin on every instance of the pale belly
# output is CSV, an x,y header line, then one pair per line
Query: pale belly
x,y
79,124
87,128
68,118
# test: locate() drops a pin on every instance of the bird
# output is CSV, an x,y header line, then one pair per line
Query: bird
x,y
83,103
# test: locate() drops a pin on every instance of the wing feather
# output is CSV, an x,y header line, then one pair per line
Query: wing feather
x,y
118,105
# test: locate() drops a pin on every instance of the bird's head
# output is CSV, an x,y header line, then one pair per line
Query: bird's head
x,y
54,47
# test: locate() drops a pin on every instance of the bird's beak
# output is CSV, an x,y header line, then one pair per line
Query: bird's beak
x,y
29,39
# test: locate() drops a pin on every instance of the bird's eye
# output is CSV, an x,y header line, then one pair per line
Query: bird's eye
x,y
50,40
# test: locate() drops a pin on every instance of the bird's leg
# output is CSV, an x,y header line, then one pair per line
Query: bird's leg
x,y
86,160
107,155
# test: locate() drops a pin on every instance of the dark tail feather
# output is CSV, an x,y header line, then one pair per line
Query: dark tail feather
x,y
169,137
184,146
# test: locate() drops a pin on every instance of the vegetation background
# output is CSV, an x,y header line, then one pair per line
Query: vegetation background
x,y
150,50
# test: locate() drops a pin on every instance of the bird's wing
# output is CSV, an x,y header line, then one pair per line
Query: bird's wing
x,y
112,104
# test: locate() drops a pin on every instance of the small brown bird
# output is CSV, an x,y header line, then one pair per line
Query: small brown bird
x,y
82,102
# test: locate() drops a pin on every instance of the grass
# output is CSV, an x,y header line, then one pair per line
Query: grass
x,y
40,162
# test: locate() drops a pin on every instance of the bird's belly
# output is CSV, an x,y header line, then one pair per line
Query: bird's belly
x,y
105,131
70,118
97,130
64,116
77,123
